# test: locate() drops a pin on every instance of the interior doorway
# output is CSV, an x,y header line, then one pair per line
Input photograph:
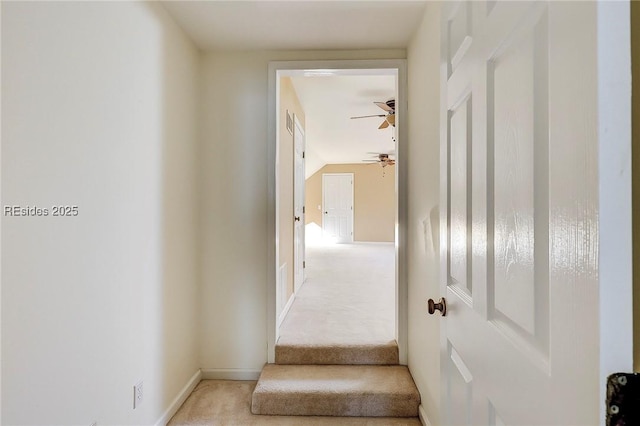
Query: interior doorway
x,y
337,207
280,300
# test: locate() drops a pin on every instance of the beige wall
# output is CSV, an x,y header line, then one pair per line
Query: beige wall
x,y
635,107
374,196
423,198
235,203
99,110
288,102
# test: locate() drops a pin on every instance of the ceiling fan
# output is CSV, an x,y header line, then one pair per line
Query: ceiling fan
x,y
383,159
389,117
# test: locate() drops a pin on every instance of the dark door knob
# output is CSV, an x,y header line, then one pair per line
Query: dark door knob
x,y
440,306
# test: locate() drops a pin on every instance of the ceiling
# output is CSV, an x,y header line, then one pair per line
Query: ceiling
x,y
332,137
293,25
328,101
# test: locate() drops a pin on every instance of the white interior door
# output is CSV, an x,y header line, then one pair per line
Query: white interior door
x,y
337,202
519,218
298,205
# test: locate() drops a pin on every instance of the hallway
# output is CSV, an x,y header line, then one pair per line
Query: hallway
x,y
347,301
343,314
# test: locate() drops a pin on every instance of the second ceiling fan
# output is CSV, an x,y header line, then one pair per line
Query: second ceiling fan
x,y
389,117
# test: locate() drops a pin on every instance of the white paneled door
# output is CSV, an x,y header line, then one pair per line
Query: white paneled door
x,y
337,204
519,223
298,204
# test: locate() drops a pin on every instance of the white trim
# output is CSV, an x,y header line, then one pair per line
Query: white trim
x,y
230,374
286,308
422,414
614,176
339,67
180,399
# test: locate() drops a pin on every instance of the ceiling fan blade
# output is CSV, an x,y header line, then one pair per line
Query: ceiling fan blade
x,y
384,106
384,125
367,116
391,118
377,154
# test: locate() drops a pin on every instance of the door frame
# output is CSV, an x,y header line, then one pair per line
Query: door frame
x,y
615,214
352,199
278,69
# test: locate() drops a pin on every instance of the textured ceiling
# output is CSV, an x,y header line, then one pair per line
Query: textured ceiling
x,y
292,25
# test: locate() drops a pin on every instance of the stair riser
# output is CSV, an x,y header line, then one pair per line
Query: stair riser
x,y
386,355
336,405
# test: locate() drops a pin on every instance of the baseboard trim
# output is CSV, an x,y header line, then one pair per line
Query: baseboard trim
x,y
180,399
230,374
422,413
286,308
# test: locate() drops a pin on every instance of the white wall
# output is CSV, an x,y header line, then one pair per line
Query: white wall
x,y
423,57
234,231
99,110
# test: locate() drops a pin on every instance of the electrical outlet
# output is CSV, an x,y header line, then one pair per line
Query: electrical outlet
x,y
138,393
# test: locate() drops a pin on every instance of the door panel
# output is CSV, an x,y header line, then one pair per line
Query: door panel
x,y
459,231
519,217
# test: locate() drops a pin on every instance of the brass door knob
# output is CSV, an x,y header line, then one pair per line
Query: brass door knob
x,y
440,306
297,218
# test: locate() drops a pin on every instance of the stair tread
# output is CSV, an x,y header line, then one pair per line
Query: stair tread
x,y
336,390
335,378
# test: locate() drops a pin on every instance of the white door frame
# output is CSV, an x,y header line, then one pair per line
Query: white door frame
x,y
614,195
278,69
323,202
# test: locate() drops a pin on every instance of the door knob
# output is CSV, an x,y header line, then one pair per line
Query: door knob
x,y
297,218
440,306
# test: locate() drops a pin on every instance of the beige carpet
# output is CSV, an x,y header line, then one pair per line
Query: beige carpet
x,y
345,311
221,402
336,390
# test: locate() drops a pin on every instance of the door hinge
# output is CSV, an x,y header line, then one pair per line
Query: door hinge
x,y
302,154
302,209
304,264
622,397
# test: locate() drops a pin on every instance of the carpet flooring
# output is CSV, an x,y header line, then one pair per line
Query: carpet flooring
x,y
228,403
344,313
336,390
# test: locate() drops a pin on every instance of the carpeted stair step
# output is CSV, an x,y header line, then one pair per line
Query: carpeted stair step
x,y
336,390
367,354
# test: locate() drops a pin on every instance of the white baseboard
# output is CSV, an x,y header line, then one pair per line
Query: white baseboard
x,y
286,308
180,399
422,413
230,374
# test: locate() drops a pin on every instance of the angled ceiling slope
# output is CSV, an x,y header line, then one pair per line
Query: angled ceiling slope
x,y
297,25
332,137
